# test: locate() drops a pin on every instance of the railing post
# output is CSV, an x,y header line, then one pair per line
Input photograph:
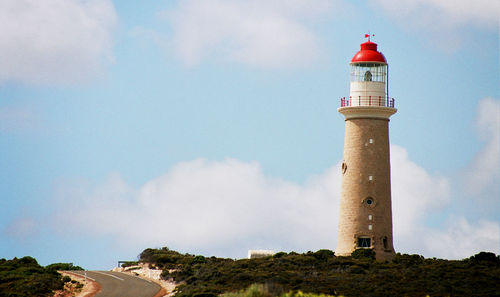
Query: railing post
x,y
387,102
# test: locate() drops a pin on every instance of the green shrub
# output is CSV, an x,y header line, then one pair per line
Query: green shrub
x,y
408,260
165,275
301,294
322,274
63,266
255,290
485,257
130,268
358,269
165,258
279,255
198,259
363,254
129,263
323,255
66,279
204,295
25,277
260,290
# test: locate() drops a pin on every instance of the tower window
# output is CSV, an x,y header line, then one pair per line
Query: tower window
x,y
384,240
370,227
368,76
370,217
344,167
370,177
369,202
371,140
364,242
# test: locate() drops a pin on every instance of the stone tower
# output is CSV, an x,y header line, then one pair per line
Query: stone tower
x,y
365,219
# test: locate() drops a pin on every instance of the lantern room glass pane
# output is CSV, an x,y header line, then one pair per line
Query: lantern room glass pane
x,y
369,72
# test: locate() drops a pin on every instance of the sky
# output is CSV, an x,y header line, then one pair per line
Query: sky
x,y
211,126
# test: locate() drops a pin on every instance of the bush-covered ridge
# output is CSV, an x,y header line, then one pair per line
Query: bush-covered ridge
x,y
24,277
323,273
259,290
63,266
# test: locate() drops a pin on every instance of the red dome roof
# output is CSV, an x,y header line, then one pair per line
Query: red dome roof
x,y
368,53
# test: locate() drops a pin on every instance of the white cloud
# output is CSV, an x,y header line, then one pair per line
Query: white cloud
x,y
215,205
54,41
443,22
228,207
461,240
474,191
482,177
268,34
414,194
442,12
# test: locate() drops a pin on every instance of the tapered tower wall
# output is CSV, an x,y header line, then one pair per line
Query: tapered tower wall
x,y
365,219
365,205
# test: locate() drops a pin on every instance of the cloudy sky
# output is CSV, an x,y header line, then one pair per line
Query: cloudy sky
x,y
211,126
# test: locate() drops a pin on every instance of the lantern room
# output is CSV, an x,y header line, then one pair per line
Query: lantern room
x,y
369,77
367,71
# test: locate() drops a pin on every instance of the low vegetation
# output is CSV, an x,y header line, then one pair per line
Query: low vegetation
x,y
322,272
258,290
24,277
63,266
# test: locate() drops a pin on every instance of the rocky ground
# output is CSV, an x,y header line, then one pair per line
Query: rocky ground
x,y
78,286
142,270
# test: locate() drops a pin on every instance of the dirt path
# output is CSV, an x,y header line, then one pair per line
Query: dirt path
x,y
90,287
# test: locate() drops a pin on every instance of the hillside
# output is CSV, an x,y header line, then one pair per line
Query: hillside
x,y
24,277
322,272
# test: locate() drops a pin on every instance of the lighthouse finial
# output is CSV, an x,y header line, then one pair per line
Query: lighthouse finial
x,y
369,35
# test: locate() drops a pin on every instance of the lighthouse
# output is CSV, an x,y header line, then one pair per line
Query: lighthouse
x,y
365,220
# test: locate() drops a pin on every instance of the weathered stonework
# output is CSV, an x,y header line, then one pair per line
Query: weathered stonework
x,y
365,204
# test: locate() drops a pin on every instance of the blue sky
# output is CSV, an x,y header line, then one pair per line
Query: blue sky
x,y
210,126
